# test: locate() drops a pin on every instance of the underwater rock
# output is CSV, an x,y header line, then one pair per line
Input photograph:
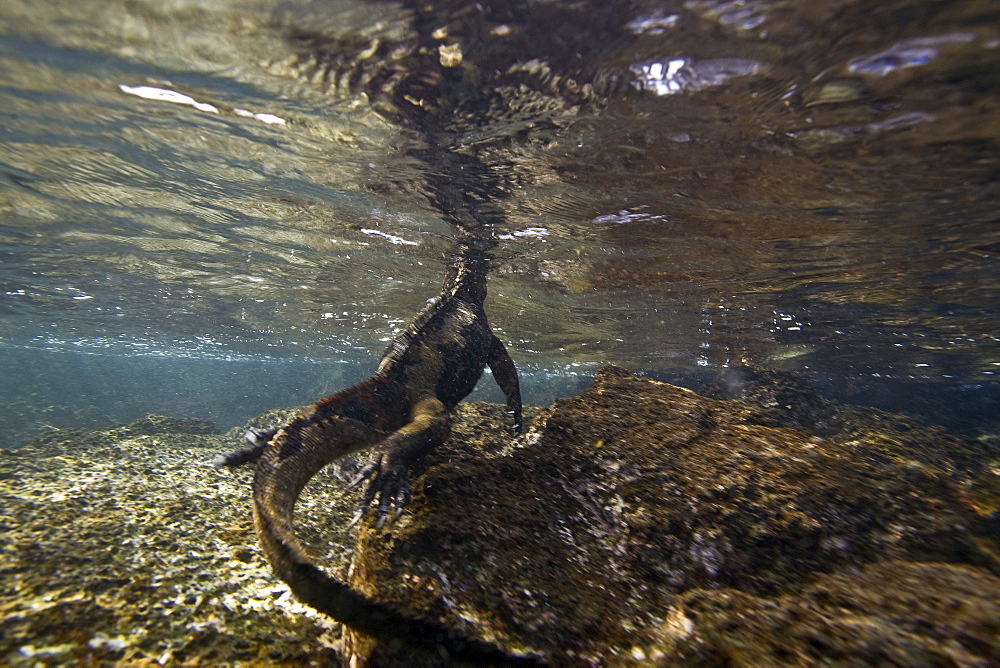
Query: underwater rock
x,y
162,424
22,419
776,399
584,539
781,399
888,613
123,546
636,522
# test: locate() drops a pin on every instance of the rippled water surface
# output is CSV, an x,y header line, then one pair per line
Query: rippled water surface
x,y
220,204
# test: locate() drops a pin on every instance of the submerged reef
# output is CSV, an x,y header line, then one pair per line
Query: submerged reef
x,y
636,523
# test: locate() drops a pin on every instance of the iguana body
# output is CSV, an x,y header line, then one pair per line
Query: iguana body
x,y
402,412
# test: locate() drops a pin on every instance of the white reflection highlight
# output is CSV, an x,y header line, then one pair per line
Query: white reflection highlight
x,y
655,24
907,53
172,96
533,232
270,119
625,216
685,74
165,95
389,237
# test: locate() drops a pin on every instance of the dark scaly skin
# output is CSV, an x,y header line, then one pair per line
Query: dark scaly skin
x,y
401,412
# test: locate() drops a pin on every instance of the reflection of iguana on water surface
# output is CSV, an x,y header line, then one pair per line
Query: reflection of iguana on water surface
x,y
402,412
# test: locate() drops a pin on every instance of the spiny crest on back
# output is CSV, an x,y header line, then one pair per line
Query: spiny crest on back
x,y
413,331
465,281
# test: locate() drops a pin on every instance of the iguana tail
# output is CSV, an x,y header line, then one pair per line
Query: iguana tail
x,y
296,453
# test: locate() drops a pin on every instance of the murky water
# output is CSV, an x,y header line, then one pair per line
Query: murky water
x,y
218,192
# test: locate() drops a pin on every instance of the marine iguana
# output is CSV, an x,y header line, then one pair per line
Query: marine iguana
x,y
401,412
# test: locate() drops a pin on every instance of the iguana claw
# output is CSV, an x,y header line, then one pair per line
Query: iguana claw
x,y
391,486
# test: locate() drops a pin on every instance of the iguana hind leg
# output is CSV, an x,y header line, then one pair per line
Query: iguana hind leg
x,y
393,457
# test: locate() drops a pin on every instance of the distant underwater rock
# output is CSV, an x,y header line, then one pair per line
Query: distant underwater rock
x,y
162,424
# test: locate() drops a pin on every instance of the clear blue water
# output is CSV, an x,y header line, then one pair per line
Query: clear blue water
x,y
199,218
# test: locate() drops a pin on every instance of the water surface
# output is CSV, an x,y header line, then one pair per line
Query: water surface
x,y
203,212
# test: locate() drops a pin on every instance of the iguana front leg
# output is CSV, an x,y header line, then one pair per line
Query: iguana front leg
x,y
393,457
505,374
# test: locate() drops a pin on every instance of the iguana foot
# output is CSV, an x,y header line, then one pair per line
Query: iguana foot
x,y
392,459
256,436
389,482
515,429
258,439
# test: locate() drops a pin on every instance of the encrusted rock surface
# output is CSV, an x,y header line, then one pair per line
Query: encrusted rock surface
x,y
123,546
635,523
642,522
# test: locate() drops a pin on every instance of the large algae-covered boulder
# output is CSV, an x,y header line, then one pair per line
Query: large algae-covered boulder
x,y
640,521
